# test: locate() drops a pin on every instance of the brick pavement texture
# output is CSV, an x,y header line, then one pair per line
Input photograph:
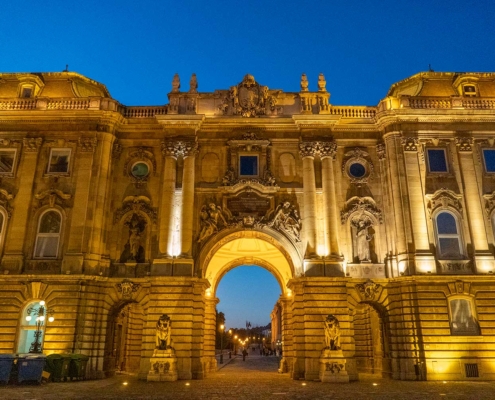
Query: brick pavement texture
x,y
256,378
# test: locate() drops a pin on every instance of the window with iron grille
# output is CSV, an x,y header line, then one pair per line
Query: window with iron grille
x,y
471,370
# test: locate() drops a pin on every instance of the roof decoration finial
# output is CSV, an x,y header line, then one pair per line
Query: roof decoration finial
x,y
304,83
322,83
193,84
175,83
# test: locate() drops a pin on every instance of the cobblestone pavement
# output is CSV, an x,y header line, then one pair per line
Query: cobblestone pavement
x,y
256,378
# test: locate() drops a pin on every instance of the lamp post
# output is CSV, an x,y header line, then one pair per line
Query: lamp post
x,y
39,312
235,344
222,327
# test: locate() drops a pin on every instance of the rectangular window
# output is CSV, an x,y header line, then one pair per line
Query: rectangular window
x,y
437,160
7,159
489,157
26,92
248,165
59,161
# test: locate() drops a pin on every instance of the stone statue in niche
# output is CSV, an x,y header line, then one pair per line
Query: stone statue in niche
x,y
212,220
363,237
287,220
164,333
133,249
332,333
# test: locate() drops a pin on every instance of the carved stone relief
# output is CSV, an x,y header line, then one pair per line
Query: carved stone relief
x,y
133,251
444,199
368,290
136,204
126,288
247,99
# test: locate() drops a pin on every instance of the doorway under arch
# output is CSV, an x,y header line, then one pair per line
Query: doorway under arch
x,y
249,248
372,341
124,339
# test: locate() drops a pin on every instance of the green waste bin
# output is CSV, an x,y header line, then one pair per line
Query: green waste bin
x,y
77,368
58,366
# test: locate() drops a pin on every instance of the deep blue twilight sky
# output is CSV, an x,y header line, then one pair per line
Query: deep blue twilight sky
x,y
135,47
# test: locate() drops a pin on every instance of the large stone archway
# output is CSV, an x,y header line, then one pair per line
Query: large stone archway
x,y
248,248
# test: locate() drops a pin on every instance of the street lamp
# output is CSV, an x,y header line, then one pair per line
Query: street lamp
x,y
222,328
39,312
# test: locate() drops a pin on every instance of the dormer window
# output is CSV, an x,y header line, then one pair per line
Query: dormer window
x,y
26,92
469,90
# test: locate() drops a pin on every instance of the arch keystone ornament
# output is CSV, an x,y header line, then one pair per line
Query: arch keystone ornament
x,y
126,288
368,290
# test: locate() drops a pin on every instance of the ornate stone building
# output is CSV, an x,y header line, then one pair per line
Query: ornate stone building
x,y
381,218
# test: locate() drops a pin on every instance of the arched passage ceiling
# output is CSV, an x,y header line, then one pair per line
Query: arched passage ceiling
x,y
248,251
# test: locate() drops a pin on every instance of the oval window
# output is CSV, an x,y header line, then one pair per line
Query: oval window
x,y
140,170
357,170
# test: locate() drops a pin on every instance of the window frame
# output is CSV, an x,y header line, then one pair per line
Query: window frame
x,y
254,176
66,149
458,235
14,160
25,327
484,159
47,235
445,157
474,316
469,93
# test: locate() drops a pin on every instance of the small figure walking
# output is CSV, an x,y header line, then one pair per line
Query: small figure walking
x,y
244,354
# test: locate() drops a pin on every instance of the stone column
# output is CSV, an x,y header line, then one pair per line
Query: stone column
x,y
73,259
307,150
424,260
327,153
473,197
13,257
102,182
190,150
167,200
398,201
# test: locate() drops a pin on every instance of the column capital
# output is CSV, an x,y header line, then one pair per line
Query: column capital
x,y
308,149
177,148
32,144
410,144
464,144
327,149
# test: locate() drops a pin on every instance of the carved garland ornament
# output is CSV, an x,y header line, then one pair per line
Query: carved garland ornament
x,y
137,204
5,198
178,148
360,205
52,197
444,199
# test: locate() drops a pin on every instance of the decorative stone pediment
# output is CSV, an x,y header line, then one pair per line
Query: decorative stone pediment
x,y
137,204
53,196
360,205
444,199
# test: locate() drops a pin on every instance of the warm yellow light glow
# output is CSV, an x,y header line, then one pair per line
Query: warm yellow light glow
x,y
187,383
235,337
51,319
28,318
375,384
304,383
124,383
208,292
42,303
222,327
42,318
322,250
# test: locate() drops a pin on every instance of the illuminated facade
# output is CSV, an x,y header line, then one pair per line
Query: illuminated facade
x,y
382,217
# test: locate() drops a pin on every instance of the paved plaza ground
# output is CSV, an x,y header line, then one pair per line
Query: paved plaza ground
x,y
256,378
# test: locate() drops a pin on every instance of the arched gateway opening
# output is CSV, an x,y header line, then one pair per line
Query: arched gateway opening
x,y
249,248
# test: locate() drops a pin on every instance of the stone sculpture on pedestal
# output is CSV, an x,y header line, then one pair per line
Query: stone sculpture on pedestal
x,y
163,362
332,361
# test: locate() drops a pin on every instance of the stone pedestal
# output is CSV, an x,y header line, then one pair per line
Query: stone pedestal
x,y
332,366
163,366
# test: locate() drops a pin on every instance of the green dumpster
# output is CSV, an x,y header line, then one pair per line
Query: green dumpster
x,y
58,366
77,368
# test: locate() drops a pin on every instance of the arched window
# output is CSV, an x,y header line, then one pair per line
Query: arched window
x,y
28,329
449,244
48,236
463,321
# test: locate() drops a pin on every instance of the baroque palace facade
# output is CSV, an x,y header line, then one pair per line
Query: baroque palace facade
x,y
378,222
